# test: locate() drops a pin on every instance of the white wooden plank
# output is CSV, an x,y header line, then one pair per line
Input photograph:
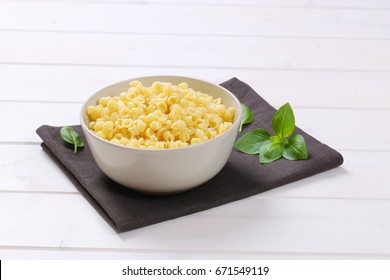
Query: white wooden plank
x,y
277,225
338,128
363,175
200,20
22,168
341,213
17,253
283,3
305,88
342,4
32,115
194,51
331,126
29,168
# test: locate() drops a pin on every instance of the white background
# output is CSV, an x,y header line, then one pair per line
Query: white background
x,y
329,59
205,270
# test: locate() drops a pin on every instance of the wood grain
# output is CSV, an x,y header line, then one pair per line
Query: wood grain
x,y
131,50
269,225
195,19
329,89
329,59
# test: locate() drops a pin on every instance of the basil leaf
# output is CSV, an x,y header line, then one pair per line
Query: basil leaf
x,y
283,122
70,136
270,152
276,139
247,116
271,148
295,148
251,142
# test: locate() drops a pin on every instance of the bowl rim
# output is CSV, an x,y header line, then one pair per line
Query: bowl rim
x,y
217,138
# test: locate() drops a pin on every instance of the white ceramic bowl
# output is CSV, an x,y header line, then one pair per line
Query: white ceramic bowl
x,y
163,171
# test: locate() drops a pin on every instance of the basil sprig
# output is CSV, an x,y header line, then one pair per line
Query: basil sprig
x,y
247,116
273,147
69,135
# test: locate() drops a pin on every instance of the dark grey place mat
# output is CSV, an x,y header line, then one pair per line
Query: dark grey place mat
x,y
242,176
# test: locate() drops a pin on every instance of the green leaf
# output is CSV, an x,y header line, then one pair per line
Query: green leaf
x,y
277,139
247,115
69,135
271,148
283,122
270,152
251,142
295,148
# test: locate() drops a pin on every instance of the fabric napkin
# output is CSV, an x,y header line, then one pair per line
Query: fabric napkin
x,y
243,176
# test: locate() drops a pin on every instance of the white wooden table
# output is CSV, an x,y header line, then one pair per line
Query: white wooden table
x,y
330,59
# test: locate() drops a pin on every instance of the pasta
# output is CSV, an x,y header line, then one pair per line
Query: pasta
x,y
162,116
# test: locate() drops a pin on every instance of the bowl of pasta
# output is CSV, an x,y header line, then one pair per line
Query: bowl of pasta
x,y
161,134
